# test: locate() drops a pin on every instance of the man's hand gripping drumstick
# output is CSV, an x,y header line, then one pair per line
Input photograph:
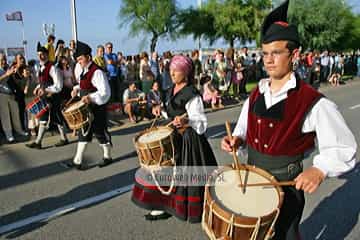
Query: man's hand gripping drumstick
x,y
233,150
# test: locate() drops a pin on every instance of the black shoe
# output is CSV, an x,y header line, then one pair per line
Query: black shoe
x,y
61,143
162,216
80,167
105,162
34,145
12,141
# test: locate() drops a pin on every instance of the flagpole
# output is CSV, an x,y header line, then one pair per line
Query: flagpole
x,y
23,36
73,20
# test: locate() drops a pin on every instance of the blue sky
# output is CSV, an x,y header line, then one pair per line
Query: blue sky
x,y
97,24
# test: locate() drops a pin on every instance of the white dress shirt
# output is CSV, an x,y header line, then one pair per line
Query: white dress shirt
x,y
196,115
57,80
99,80
336,143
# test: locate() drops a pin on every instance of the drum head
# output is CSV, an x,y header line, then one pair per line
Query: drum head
x,y
154,135
75,106
255,202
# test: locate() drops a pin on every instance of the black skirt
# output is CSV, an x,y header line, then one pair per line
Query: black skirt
x,y
184,202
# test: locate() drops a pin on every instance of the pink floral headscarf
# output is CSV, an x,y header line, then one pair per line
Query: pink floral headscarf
x,y
181,63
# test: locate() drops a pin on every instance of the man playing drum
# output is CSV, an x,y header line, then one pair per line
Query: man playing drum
x,y
94,89
279,123
49,87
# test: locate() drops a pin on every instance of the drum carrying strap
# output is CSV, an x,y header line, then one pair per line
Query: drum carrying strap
x,y
90,117
152,171
271,231
256,229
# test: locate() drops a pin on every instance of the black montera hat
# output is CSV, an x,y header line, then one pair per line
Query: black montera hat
x,y
275,26
82,49
40,48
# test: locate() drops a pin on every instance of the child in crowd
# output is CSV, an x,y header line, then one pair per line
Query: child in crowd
x,y
334,80
210,94
237,78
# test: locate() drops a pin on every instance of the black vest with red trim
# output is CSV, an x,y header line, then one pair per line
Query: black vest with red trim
x,y
276,133
86,85
45,78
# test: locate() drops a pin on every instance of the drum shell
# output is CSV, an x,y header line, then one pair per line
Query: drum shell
x,y
150,154
77,118
38,107
219,226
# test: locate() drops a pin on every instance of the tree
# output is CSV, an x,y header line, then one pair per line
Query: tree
x,y
197,22
351,36
321,24
227,19
155,17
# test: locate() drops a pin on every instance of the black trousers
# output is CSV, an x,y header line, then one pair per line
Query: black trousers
x,y
115,89
54,112
287,225
324,73
98,126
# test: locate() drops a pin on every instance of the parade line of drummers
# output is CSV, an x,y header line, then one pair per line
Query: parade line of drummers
x,y
277,126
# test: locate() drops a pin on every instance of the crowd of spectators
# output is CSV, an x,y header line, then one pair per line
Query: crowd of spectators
x,y
140,82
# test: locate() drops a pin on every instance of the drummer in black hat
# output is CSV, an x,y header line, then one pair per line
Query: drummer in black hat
x,y
280,120
49,87
94,89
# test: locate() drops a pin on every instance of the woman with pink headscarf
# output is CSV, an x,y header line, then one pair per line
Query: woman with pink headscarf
x,y
191,149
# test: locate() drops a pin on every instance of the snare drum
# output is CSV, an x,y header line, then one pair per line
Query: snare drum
x,y
38,107
231,214
77,115
155,147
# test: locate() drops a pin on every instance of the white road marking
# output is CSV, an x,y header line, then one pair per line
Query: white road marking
x,y
321,232
353,107
46,216
217,134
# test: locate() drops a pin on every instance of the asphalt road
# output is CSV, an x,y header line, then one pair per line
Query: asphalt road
x,y
42,199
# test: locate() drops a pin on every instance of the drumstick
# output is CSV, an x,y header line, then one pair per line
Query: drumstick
x,y
182,116
70,101
236,160
153,123
275,184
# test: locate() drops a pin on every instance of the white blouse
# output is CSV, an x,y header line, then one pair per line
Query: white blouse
x,y
196,115
336,143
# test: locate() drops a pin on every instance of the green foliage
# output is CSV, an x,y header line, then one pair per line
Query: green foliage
x,y
197,22
237,19
155,17
322,24
228,19
351,36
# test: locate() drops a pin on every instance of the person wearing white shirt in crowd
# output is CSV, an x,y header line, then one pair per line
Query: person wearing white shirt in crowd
x,y
324,66
49,87
280,120
9,110
94,90
191,147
